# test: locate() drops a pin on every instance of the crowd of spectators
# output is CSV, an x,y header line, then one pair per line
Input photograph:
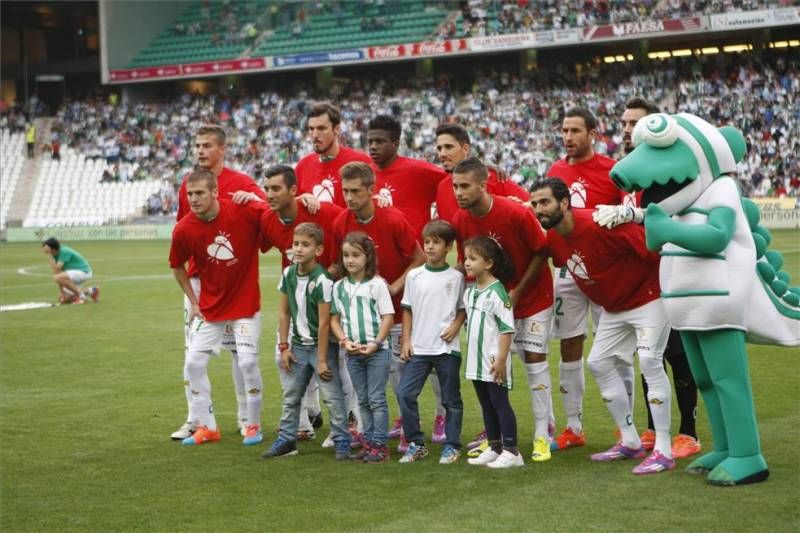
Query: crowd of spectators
x,y
494,17
514,121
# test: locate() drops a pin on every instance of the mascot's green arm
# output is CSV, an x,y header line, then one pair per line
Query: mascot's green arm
x,y
709,238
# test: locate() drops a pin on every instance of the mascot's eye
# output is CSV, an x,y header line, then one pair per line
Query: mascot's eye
x,y
658,130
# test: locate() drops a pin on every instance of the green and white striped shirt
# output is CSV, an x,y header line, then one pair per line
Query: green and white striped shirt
x,y
360,305
306,292
489,315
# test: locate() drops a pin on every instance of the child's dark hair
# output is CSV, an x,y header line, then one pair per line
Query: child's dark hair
x,y
363,242
490,250
440,229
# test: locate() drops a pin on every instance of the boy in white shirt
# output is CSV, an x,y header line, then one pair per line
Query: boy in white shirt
x,y
433,313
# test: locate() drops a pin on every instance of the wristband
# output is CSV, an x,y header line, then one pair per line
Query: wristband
x,y
283,346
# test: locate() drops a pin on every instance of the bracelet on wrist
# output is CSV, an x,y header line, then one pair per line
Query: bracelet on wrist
x,y
283,346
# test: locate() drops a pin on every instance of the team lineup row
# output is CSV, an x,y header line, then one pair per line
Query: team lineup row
x,y
391,290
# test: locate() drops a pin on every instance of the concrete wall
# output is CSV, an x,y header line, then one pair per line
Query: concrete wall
x,y
128,25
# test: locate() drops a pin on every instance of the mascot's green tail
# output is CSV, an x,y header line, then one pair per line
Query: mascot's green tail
x,y
769,263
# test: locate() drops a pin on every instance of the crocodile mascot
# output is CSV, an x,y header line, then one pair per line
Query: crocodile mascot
x,y
720,285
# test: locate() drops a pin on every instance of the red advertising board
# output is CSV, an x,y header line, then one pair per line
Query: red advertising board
x,y
433,48
171,71
624,29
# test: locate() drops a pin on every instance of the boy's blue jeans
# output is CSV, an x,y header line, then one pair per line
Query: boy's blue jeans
x,y
415,372
369,375
332,395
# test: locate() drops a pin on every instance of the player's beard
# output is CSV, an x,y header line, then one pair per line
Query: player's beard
x,y
551,221
324,149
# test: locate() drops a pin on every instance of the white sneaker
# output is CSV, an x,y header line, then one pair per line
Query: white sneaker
x,y
185,431
328,442
507,460
487,456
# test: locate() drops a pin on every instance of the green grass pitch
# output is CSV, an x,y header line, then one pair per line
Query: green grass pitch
x,y
89,395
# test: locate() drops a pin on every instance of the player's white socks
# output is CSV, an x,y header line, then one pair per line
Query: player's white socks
x,y
187,390
251,377
659,396
200,408
350,398
238,386
436,387
541,399
612,390
628,375
573,386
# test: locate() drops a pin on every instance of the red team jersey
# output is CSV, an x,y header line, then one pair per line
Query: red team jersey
x,y
447,206
411,184
228,181
518,231
395,243
225,251
322,179
589,182
276,233
613,267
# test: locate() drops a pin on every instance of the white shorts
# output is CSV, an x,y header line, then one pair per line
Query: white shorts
x,y
532,334
78,277
241,335
644,330
228,342
571,307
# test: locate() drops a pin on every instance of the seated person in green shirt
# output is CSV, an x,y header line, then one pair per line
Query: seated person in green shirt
x,y
70,271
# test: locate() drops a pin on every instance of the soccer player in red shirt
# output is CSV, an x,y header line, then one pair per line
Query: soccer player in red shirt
x,y
408,184
586,174
516,229
685,443
223,240
615,269
210,144
395,240
453,146
318,172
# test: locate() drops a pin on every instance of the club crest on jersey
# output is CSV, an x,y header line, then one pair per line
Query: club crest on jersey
x,y
577,196
577,267
449,287
221,249
386,192
324,190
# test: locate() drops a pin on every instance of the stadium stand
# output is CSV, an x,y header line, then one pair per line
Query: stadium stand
x,y
71,192
495,17
12,146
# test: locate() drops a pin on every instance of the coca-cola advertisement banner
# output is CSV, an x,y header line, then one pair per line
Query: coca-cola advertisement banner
x,y
208,68
624,29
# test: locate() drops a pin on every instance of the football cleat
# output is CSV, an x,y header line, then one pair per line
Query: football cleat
x,y
449,455
617,452
487,456
568,439
655,463
280,448
541,450
252,435
684,446
185,431
415,452
648,438
397,429
479,449
202,435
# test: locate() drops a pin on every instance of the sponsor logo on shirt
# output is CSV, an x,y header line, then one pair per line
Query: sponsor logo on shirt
x,y
222,250
577,195
386,192
577,267
324,190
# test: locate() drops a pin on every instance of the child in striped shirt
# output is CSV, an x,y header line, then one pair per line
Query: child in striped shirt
x,y
305,304
490,327
362,315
